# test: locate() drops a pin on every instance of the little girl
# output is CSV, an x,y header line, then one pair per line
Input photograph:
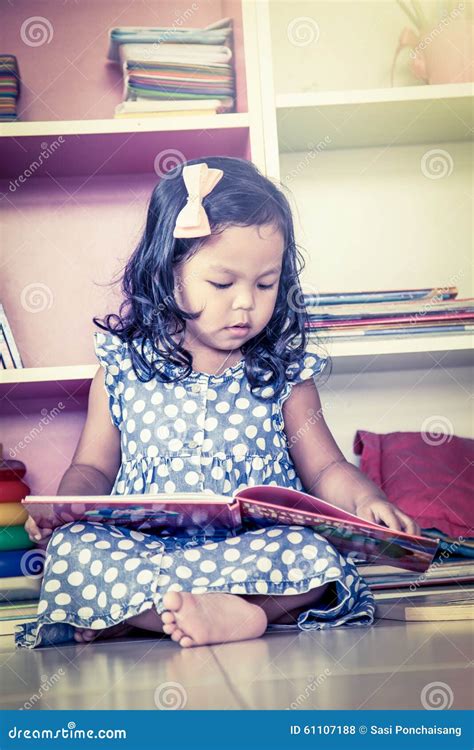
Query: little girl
x,y
206,385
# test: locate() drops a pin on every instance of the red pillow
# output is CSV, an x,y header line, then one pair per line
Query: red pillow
x,y
430,479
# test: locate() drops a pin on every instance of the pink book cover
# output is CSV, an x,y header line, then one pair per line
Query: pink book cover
x,y
389,319
258,506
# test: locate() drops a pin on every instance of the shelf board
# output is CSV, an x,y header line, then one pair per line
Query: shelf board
x,y
39,382
348,356
375,117
117,146
391,353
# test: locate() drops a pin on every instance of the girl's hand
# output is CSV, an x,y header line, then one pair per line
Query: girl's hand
x,y
36,533
376,510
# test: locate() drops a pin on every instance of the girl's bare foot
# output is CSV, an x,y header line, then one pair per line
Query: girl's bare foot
x,y
200,619
85,635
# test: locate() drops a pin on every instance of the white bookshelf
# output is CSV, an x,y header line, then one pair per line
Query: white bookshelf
x,y
348,357
375,117
350,148
279,125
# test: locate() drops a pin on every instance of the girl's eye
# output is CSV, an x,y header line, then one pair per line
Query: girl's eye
x,y
266,286
220,286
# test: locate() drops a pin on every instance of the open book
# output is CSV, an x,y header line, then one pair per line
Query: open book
x,y
258,506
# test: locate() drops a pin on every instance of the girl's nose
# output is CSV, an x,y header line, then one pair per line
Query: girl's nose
x,y
244,300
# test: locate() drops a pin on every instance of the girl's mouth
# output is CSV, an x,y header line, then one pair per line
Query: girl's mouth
x,y
240,329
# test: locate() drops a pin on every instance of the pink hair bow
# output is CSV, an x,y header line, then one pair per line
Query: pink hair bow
x,y
192,220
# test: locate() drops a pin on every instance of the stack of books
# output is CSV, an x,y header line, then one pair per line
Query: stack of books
x,y
398,313
170,71
21,565
13,614
443,592
9,87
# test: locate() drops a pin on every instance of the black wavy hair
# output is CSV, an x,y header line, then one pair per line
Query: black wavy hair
x,y
149,313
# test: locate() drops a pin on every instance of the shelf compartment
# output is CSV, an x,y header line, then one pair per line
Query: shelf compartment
x,y
348,356
104,147
46,382
375,117
390,353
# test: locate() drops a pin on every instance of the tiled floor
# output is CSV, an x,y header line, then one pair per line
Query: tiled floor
x,y
387,666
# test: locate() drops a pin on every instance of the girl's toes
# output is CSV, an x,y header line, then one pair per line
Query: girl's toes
x,y
172,600
84,636
186,642
167,617
169,627
176,635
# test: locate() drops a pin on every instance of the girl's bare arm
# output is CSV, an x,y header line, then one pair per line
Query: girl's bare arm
x,y
322,468
97,458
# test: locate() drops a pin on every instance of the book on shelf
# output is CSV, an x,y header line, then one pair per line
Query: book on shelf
x,y
394,331
398,314
26,608
176,65
257,506
445,591
388,295
143,54
390,309
386,577
146,108
7,627
217,33
19,588
10,87
427,612
9,354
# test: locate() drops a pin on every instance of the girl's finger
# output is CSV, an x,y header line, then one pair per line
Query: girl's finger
x,y
389,518
32,530
367,515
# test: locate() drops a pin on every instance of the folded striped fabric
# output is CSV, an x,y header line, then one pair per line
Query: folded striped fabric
x,y
9,87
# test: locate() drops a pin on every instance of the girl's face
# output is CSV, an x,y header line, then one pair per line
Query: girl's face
x,y
233,281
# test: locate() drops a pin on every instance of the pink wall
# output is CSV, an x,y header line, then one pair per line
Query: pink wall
x,y
68,76
62,245
66,234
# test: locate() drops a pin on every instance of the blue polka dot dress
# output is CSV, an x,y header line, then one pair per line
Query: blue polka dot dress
x,y
207,433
